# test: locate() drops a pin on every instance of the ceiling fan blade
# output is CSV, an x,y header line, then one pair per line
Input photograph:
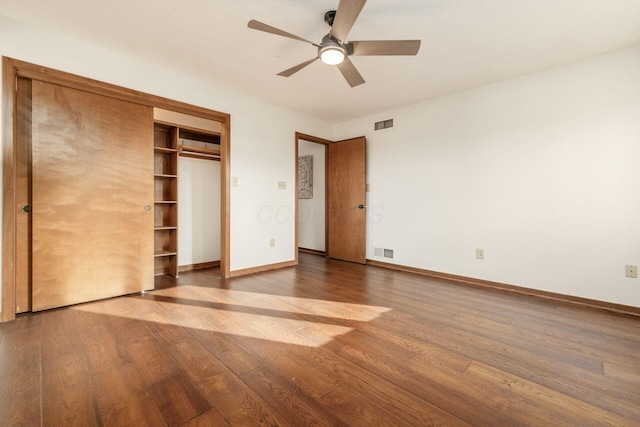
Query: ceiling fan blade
x,y
260,26
385,47
346,15
292,70
350,73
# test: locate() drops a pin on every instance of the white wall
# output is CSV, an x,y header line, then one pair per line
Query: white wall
x,y
198,211
542,171
311,212
262,135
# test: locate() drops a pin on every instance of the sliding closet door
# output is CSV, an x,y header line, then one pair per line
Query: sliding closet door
x,y
92,182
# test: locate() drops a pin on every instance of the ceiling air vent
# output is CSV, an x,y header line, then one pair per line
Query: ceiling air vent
x,y
384,124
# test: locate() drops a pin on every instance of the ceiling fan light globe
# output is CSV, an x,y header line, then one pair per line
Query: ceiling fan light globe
x,y
332,56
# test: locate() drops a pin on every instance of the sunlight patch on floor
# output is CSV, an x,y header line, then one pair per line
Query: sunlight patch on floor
x,y
230,312
309,306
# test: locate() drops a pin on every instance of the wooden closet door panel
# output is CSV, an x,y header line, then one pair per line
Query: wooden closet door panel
x,y
92,177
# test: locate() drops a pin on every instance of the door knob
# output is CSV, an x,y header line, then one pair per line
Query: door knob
x,y
26,208
361,206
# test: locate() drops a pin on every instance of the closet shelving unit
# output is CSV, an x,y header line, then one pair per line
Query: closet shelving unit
x,y
167,147
165,188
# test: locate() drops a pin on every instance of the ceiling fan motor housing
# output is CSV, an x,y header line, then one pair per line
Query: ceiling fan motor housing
x,y
331,51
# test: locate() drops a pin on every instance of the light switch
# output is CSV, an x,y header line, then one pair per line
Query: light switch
x,y
234,181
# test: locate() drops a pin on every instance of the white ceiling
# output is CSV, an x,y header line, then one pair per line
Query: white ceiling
x,y
465,43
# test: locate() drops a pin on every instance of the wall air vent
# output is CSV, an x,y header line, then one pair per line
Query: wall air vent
x,y
383,253
384,124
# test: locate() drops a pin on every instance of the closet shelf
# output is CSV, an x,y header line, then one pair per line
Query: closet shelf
x,y
165,150
164,253
199,150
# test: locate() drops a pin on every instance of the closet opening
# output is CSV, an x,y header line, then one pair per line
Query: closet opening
x,y
187,232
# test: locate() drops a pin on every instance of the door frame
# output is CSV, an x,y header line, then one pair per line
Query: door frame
x,y
11,69
325,142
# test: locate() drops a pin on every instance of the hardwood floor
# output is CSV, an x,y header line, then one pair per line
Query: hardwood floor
x,y
324,343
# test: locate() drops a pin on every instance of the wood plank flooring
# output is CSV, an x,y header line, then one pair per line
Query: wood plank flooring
x,y
324,343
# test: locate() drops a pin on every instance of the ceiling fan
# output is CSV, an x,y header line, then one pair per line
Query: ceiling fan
x,y
335,50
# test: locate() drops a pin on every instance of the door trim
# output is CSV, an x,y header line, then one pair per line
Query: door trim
x,y
11,69
325,142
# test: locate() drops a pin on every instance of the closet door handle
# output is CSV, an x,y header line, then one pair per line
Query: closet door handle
x,y
26,208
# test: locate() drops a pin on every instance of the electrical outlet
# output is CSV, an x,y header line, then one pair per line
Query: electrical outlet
x,y
272,243
479,253
631,271
282,185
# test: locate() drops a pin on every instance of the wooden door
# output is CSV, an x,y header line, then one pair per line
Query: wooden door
x,y
346,200
92,180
